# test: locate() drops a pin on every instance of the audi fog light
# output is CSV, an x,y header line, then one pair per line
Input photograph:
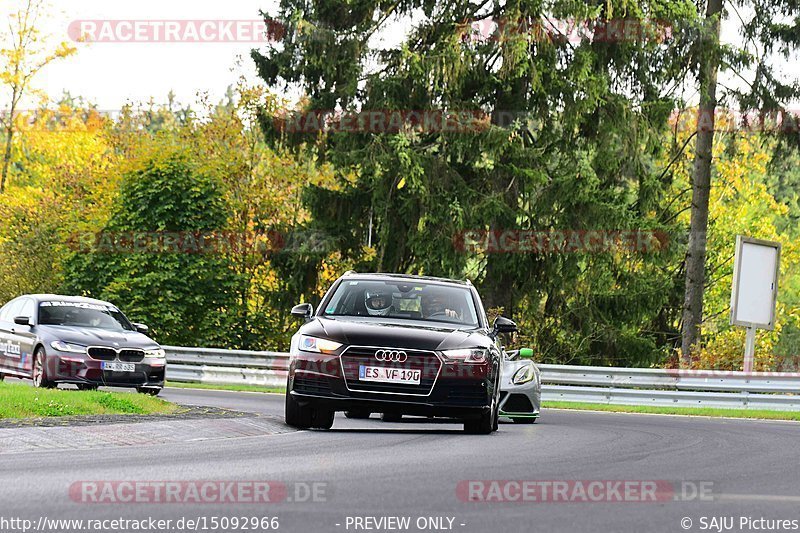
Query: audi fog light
x,y
524,375
468,355
313,344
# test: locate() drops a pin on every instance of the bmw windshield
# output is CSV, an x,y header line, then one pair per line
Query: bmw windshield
x,y
82,314
418,301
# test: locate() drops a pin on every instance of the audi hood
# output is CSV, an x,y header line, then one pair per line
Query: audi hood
x,y
412,334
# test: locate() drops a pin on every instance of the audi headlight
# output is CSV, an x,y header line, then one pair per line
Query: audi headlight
x,y
157,353
467,355
313,344
524,375
62,346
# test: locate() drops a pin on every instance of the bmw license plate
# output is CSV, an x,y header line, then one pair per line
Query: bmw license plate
x,y
384,374
118,367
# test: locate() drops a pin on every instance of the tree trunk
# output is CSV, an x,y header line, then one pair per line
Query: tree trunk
x,y
7,150
701,183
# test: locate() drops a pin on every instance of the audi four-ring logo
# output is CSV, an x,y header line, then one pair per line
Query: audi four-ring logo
x,y
395,356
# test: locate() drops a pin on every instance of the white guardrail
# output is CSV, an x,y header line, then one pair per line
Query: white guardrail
x,y
605,385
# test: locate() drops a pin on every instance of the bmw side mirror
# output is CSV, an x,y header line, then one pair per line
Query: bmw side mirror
x,y
22,320
141,328
503,325
303,311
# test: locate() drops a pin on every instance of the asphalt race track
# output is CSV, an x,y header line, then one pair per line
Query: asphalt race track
x,y
367,468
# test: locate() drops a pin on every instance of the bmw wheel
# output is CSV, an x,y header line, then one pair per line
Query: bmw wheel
x,y
39,374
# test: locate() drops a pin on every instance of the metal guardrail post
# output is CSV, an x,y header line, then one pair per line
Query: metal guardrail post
x,y
610,385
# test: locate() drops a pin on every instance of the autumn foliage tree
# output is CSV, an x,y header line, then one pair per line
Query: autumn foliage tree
x,y
24,52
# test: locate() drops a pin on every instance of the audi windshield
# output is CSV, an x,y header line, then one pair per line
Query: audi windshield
x,y
401,300
83,314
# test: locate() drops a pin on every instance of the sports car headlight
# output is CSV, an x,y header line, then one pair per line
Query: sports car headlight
x,y
157,353
524,375
467,355
62,346
313,344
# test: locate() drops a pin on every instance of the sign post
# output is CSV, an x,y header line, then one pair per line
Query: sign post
x,y
755,289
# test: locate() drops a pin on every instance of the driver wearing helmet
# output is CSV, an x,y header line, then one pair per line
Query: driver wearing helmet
x,y
378,302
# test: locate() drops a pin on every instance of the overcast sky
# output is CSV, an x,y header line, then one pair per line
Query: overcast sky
x,y
110,74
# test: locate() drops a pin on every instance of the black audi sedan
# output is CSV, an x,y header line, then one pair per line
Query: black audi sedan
x,y
396,345
55,339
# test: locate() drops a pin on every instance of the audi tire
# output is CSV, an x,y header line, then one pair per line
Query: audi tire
x,y
487,423
297,416
322,418
483,426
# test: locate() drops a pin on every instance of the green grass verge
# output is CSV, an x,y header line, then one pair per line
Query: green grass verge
x,y
246,388
20,400
691,411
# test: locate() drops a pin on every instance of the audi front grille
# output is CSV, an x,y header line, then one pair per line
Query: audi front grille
x,y
355,356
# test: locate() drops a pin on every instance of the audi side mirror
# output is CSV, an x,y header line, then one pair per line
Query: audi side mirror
x,y
22,320
503,325
303,311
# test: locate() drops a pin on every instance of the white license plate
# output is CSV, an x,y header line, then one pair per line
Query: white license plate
x,y
384,374
119,367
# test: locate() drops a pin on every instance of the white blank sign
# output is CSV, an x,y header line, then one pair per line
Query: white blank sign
x,y
755,282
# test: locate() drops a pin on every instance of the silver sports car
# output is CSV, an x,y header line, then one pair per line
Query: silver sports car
x,y
521,387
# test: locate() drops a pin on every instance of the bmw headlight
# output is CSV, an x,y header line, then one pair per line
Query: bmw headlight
x,y
313,344
157,353
467,355
62,346
524,375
